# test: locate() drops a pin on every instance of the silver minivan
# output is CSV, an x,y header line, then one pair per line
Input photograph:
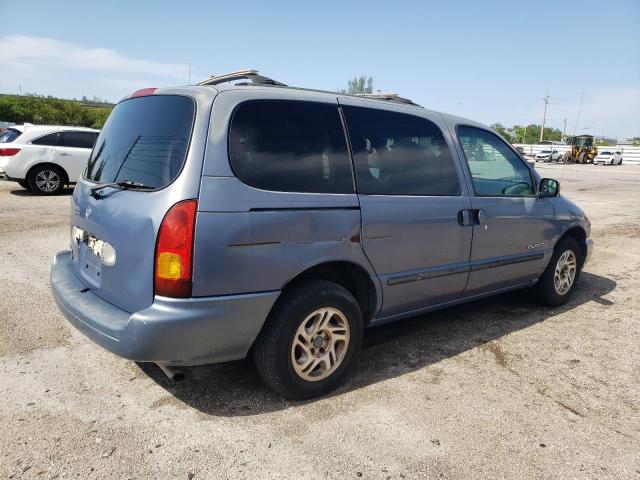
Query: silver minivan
x,y
223,220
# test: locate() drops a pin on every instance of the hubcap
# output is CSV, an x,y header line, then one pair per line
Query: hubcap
x,y
565,273
320,344
47,181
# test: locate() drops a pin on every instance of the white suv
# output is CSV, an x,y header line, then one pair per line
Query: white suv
x,y
43,158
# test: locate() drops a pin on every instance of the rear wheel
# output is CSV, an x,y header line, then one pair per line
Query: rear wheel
x,y
24,184
46,180
557,283
311,341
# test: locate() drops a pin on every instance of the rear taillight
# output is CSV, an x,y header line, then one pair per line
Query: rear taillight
x,y
8,152
174,251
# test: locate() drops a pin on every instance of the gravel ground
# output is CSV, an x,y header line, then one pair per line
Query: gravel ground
x,y
499,388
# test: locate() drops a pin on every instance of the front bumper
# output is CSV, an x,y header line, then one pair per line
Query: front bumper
x,y
191,331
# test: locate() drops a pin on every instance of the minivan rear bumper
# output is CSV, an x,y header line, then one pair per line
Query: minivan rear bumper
x,y
192,331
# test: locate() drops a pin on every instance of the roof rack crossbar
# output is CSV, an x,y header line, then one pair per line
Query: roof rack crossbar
x,y
392,97
247,74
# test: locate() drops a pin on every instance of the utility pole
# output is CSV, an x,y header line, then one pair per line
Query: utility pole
x,y
578,117
564,128
189,82
544,115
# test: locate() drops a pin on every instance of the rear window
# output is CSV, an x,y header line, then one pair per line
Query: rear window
x,y
9,136
145,140
290,146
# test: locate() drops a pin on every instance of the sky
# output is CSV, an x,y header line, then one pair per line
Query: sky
x,y
491,61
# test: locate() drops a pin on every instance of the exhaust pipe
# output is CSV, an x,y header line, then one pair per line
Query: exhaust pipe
x,y
174,374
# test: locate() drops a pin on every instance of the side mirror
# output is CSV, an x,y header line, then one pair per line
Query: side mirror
x,y
548,188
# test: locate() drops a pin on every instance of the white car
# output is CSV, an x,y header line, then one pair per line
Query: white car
x,y
43,158
548,156
608,157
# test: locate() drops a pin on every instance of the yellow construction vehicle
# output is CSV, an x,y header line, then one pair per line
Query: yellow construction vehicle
x,y
582,150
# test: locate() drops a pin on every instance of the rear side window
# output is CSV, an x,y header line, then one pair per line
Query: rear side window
x,y
145,140
48,140
400,154
290,146
77,139
9,136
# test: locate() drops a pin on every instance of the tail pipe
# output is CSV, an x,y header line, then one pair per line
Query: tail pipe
x,y
174,374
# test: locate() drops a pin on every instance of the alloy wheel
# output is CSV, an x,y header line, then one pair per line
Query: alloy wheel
x,y
565,273
47,181
320,344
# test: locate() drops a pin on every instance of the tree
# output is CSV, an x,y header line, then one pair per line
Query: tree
x,y
359,85
508,134
49,110
531,133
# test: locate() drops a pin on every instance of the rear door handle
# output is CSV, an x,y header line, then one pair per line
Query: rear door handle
x,y
464,218
63,154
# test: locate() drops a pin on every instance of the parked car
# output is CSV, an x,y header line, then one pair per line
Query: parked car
x,y
548,156
215,222
44,158
608,157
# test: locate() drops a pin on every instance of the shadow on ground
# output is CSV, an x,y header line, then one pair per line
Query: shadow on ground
x,y
21,192
389,351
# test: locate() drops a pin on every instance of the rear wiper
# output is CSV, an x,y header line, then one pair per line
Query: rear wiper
x,y
124,185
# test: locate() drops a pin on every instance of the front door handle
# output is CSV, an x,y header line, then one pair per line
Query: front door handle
x,y
472,216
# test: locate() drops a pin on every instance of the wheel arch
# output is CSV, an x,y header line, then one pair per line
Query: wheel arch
x,y
48,164
347,274
579,235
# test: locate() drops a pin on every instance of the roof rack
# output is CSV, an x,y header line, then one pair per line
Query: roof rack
x,y
247,74
390,96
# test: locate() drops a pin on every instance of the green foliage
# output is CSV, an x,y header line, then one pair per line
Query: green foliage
x,y
531,134
359,85
507,133
52,111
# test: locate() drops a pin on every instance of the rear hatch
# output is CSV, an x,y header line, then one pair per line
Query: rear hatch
x,y
148,142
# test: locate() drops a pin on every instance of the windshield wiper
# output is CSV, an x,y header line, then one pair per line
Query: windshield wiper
x,y
124,185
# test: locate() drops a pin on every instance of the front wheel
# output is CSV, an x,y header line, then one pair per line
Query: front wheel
x,y
311,340
46,180
557,283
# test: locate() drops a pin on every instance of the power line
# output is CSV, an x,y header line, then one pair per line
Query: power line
x,y
578,117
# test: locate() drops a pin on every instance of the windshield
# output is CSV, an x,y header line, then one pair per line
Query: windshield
x,y
145,140
545,151
10,135
606,153
583,142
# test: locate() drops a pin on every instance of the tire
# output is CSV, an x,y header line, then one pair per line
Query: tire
x,y
46,180
546,291
24,184
282,352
